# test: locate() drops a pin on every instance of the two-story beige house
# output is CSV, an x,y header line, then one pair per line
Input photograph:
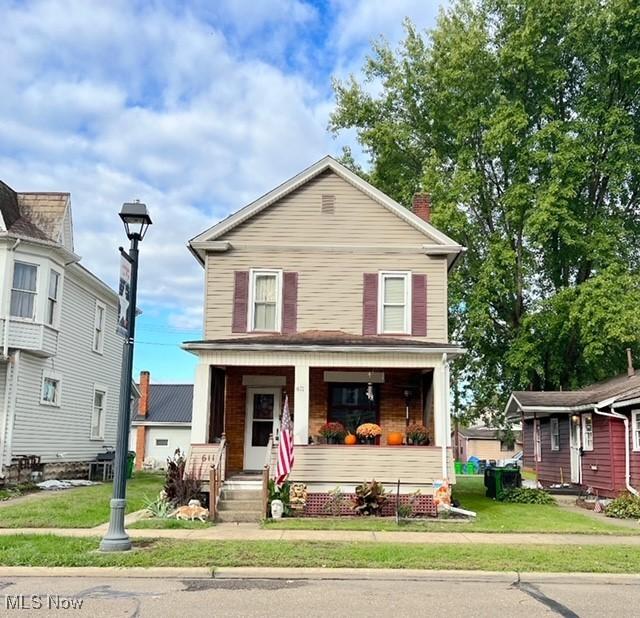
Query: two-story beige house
x,y
330,292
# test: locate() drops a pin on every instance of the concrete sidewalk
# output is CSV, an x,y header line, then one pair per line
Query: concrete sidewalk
x,y
253,532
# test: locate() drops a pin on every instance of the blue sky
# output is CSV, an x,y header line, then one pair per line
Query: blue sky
x,y
196,108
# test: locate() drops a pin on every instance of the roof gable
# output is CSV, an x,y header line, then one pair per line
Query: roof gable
x,y
430,234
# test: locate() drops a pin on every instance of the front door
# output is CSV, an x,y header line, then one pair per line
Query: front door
x,y
262,420
575,443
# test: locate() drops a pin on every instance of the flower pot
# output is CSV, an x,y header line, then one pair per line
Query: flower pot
x,y
395,438
363,440
350,439
334,440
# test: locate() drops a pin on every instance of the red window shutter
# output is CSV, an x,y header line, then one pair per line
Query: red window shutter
x,y
240,301
290,303
370,304
419,306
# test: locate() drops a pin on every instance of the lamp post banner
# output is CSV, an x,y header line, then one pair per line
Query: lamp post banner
x,y
124,296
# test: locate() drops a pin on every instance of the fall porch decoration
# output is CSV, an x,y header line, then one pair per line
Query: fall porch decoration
x,y
395,438
334,432
350,439
368,432
417,434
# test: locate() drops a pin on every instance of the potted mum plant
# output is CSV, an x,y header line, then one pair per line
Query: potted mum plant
x,y
334,433
417,434
368,433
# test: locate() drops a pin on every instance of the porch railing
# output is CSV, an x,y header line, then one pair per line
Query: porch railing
x,y
265,477
217,475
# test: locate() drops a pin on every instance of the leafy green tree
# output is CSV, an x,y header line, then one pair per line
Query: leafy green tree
x,y
522,119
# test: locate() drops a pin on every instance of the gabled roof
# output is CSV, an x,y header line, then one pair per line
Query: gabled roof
x,y
199,244
614,391
168,403
34,215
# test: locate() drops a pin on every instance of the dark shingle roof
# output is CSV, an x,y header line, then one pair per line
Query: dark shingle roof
x,y
8,204
484,433
620,388
168,403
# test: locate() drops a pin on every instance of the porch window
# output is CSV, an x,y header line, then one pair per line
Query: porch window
x,y
587,432
555,434
266,300
635,428
23,291
537,440
98,414
349,404
394,303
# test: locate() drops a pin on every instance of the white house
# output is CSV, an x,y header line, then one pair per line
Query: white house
x,y
60,356
161,421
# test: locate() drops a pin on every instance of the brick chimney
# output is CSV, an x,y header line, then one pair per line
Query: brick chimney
x,y
422,206
143,406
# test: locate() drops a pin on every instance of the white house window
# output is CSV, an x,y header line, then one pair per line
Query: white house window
x,y
23,291
587,432
635,428
50,394
162,442
555,434
266,300
537,440
394,303
98,414
52,298
98,328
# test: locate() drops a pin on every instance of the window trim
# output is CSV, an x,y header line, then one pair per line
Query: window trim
x,y
98,388
635,429
55,318
34,292
395,274
253,274
54,376
99,349
554,420
537,440
583,427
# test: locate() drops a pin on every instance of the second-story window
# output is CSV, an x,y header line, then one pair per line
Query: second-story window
x,y
98,328
394,303
23,291
52,299
266,294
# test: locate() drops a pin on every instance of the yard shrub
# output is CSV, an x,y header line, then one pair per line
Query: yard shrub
x,y
527,495
370,497
179,487
158,507
626,506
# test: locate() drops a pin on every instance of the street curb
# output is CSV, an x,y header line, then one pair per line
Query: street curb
x,y
319,574
112,572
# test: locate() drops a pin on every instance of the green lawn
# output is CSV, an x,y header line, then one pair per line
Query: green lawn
x,y
78,508
492,516
35,550
156,523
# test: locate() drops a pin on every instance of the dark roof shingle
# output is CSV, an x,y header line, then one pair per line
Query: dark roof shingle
x,y
168,403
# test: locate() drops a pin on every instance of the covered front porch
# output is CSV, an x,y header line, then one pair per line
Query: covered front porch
x,y
239,393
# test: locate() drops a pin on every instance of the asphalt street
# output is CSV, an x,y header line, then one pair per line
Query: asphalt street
x,y
439,595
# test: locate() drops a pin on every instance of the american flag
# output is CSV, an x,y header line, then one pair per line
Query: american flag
x,y
285,446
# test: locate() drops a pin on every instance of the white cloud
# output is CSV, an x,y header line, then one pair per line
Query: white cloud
x,y
194,108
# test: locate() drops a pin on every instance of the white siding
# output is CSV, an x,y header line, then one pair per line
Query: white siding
x,y
63,433
178,437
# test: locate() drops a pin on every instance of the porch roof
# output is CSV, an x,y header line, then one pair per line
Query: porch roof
x,y
319,341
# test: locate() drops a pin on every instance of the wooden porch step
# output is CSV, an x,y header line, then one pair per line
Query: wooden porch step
x,y
240,494
240,505
239,516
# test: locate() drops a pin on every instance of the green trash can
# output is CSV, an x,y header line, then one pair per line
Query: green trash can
x,y
131,457
470,468
458,467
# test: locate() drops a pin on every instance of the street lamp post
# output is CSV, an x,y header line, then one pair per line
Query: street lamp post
x,y
136,221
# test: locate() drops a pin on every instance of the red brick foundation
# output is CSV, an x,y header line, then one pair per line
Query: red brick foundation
x,y
316,505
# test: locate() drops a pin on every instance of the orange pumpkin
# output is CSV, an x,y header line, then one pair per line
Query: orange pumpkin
x,y
395,438
350,439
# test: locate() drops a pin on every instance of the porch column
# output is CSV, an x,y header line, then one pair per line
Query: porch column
x,y
301,409
200,418
442,421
